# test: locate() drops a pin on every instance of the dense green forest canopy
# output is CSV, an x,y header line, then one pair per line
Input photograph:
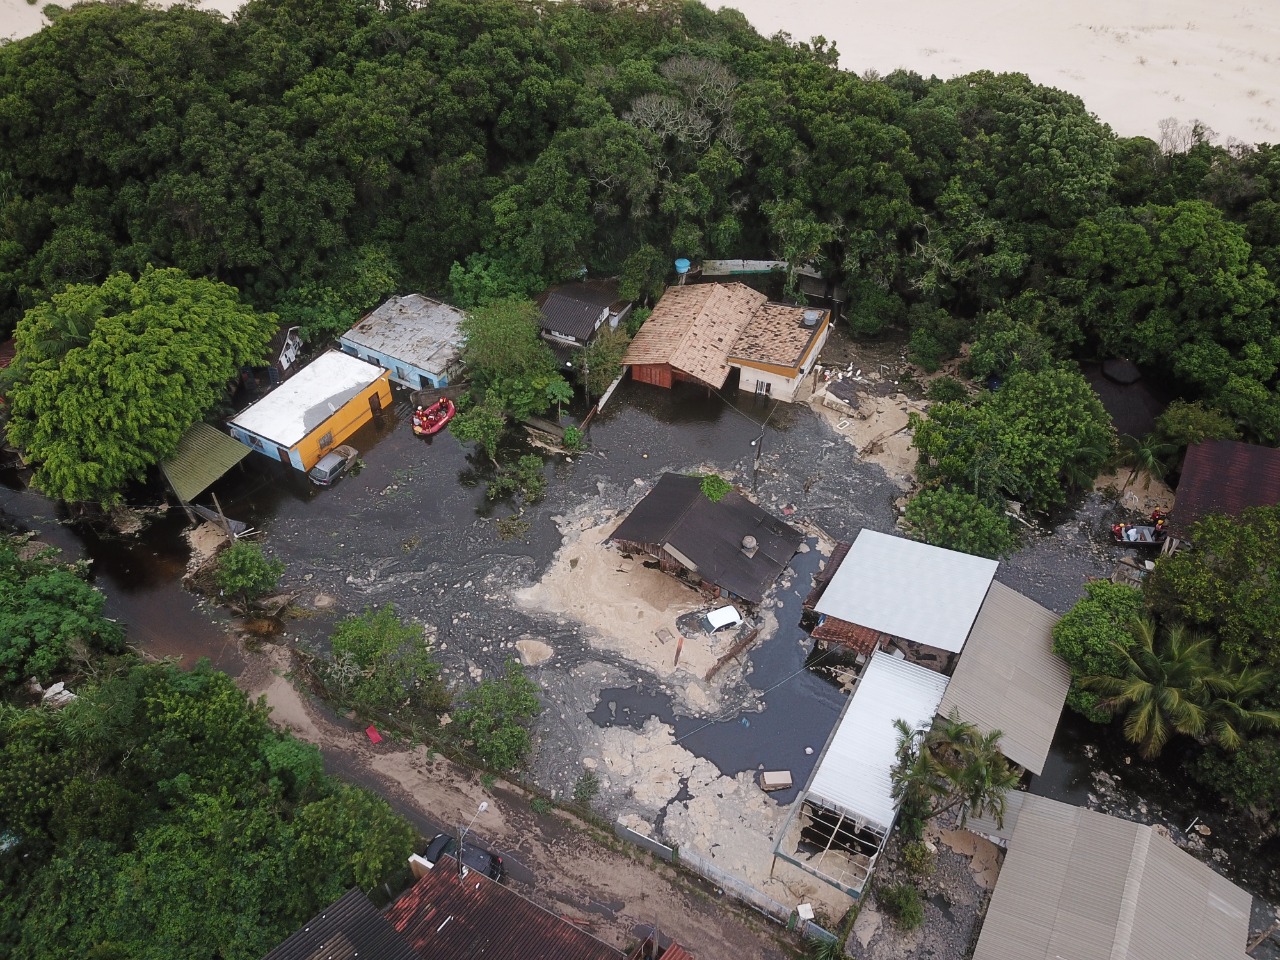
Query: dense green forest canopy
x,y
315,155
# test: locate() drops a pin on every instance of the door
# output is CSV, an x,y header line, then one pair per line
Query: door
x,y
375,403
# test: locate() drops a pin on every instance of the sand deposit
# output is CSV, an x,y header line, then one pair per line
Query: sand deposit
x,y
877,428
1134,62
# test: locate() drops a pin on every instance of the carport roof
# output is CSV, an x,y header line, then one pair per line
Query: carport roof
x,y
908,589
854,772
204,454
1009,679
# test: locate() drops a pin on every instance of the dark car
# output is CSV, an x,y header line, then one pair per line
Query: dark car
x,y
332,465
444,844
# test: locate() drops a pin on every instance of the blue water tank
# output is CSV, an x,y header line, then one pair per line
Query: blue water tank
x,y
682,266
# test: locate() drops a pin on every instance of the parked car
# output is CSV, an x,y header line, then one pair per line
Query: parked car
x,y
482,861
721,618
333,465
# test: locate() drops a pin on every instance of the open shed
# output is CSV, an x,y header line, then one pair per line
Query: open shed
x,y
839,825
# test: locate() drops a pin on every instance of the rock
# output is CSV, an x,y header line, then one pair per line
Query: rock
x,y
1203,829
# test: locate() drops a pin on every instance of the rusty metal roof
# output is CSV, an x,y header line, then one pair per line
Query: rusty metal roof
x,y
1084,885
1009,679
346,930
447,917
823,576
1224,476
204,454
693,327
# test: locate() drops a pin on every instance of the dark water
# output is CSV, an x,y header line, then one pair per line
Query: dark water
x,y
140,576
800,708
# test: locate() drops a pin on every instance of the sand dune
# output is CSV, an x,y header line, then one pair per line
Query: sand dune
x,y
1134,62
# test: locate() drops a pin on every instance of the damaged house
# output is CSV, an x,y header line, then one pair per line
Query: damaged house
x,y
731,548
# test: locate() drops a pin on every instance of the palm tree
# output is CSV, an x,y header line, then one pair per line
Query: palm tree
x,y
1175,687
952,765
1148,454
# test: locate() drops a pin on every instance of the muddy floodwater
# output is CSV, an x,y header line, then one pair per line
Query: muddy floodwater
x,y
412,527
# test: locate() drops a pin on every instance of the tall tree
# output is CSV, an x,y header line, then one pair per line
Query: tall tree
x,y
160,352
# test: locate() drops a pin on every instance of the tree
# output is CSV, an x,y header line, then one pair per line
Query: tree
x,y
559,392
1226,583
48,613
1150,455
1092,636
382,663
1174,687
246,573
1184,423
958,520
508,359
1036,435
159,352
951,765
483,425
494,716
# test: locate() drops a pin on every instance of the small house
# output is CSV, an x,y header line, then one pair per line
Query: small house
x,y
414,337
730,548
778,348
1226,477
573,313
315,410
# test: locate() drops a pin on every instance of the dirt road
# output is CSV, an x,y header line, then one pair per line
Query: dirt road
x,y
566,866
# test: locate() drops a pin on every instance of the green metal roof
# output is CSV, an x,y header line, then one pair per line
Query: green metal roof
x,y
203,455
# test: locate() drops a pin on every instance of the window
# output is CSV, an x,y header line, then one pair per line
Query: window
x,y
255,442
327,440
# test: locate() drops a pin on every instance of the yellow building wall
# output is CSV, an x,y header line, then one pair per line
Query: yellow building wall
x,y
349,418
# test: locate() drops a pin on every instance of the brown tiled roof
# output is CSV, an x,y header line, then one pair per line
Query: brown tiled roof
x,y
676,952
1224,476
444,917
693,327
347,929
823,576
8,350
857,638
776,335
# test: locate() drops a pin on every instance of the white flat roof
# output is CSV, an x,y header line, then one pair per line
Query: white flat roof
x,y
308,398
854,772
909,589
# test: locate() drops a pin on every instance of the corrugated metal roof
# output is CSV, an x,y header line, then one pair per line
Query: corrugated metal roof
x,y
349,929
575,309
308,398
676,514
1224,476
676,952
1009,678
854,772
912,590
1087,886
416,329
986,825
692,328
445,917
204,454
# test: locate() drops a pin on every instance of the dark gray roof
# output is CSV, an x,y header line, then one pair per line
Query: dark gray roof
x,y
350,928
677,514
574,308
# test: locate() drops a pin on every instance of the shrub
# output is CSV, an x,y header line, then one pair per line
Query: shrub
x,y
245,572
960,521
714,487
586,789
380,662
946,389
902,902
1248,777
918,859
573,438
495,715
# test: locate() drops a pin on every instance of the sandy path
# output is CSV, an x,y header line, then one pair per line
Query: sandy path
x,y
608,886
1133,62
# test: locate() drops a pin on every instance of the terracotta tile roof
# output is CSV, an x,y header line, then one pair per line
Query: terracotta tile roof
x,y
444,917
693,327
676,952
776,334
1224,476
857,638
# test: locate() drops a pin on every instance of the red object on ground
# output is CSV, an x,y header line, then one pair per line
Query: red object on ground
x,y
433,418
373,733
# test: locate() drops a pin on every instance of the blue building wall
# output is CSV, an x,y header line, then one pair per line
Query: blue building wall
x,y
266,447
405,374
